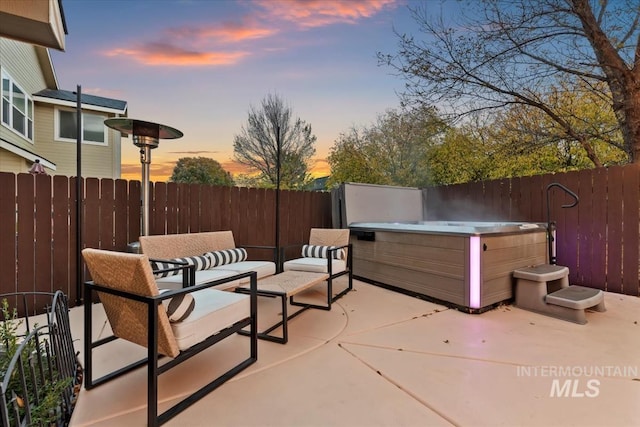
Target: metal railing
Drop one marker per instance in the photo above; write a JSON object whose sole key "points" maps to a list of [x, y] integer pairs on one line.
{"points": [[39, 366]]}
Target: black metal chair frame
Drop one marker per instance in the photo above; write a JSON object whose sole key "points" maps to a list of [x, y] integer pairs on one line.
{"points": [[152, 360], [348, 270]]}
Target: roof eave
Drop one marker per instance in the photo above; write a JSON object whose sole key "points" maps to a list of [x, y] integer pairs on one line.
{"points": [[84, 106], [36, 22]]}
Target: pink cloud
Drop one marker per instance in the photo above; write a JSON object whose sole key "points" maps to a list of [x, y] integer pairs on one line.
{"points": [[316, 13], [191, 46], [157, 53], [227, 33]]}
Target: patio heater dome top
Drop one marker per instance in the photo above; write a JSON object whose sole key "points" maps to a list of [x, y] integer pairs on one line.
{"points": [[144, 133]]}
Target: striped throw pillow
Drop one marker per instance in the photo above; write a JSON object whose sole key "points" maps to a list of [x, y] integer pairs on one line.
{"points": [[201, 262], [316, 251], [227, 256], [179, 307]]}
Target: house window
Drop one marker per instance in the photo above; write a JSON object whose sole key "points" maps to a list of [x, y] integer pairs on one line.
{"points": [[17, 108], [93, 128]]}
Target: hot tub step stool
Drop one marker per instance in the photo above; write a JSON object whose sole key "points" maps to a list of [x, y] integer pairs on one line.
{"points": [[545, 289]]}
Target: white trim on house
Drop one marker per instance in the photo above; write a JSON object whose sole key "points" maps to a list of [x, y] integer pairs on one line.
{"points": [[56, 127], [29, 108], [26, 154]]}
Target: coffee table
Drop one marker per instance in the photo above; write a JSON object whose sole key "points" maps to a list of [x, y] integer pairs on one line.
{"points": [[285, 285]]}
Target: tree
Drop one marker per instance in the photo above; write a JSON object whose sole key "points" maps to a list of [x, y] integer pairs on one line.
{"points": [[527, 132], [352, 159], [393, 151], [463, 156], [476, 152], [257, 144], [519, 141], [507, 53], [200, 170]]}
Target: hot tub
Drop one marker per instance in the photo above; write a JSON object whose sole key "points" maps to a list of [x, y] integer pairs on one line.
{"points": [[466, 265]]}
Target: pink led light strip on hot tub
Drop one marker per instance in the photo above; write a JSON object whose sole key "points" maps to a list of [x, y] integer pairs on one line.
{"points": [[474, 271]]}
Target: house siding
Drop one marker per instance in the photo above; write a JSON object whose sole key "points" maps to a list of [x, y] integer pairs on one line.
{"points": [[99, 161], [23, 63], [20, 61], [12, 163]]}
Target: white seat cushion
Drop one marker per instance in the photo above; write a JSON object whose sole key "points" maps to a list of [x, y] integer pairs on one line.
{"points": [[214, 310], [262, 268], [202, 276], [317, 265]]}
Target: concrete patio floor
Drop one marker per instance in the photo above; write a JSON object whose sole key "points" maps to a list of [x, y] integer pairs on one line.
{"points": [[380, 358]]}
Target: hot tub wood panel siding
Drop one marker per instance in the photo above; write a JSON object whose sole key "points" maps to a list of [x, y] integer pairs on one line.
{"points": [[437, 265], [432, 265], [503, 255]]}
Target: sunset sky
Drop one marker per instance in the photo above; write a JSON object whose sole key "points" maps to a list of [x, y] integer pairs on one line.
{"points": [[198, 65]]}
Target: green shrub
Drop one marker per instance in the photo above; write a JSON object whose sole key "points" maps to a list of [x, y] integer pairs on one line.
{"points": [[34, 381]]}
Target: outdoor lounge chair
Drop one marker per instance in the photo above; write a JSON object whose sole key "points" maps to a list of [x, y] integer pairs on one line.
{"points": [[328, 251], [138, 312]]}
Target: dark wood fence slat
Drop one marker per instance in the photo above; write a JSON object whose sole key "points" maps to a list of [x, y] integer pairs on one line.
{"points": [[243, 217], [107, 207], [615, 204], [233, 220], [269, 212], [120, 215], [172, 208], [259, 210], [295, 212], [191, 213], [205, 208], [8, 230], [476, 208], [285, 227], [43, 235], [525, 200], [567, 238], [538, 202], [585, 245], [157, 208], [91, 217], [494, 190], [135, 208], [25, 251], [224, 208], [60, 243], [631, 190], [253, 233], [516, 200], [74, 280], [599, 229]]}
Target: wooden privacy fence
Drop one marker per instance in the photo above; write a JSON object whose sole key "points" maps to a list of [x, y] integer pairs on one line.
{"points": [[598, 239], [38, 221]]}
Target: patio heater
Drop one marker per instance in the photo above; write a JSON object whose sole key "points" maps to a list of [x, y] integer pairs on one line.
{"points": [[146, 136]]}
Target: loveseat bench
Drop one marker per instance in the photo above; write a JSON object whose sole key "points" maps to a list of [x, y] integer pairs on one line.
{"points": [[213, 255]]}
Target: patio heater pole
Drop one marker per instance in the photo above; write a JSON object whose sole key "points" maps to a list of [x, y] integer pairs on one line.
{"points": [[145, 144], [146, 136]]}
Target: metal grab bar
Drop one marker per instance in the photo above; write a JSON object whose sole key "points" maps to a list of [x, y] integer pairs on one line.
{"points": [[551, 224]]}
